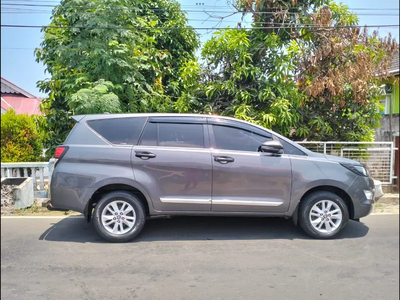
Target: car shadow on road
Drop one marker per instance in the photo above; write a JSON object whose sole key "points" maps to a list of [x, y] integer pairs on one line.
{"points": [[196, 229]]}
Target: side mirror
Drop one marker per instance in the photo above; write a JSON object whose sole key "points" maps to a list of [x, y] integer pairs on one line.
{"points": [[273, 147]]}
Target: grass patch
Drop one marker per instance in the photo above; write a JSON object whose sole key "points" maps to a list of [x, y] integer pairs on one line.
{"points": [[36, 210]]}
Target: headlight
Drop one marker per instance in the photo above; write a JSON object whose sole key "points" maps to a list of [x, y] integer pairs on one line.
{"points": [[357, 169]]}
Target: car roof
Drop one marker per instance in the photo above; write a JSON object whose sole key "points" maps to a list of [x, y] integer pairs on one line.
{"points": [[78, 118], [130, 115]]}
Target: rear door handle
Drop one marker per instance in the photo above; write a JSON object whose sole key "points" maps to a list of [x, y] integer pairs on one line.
{"points": [[144, 154], [223, 159]]}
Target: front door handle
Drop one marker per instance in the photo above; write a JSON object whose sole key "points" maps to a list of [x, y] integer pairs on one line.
{"points": [[223, 159], [144, 154]]}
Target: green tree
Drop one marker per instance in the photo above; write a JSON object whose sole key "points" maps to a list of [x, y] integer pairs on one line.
{"points": [[95, 100], [135, 45], [337, 71], [260, 92], [280, 17], [20, 141], [308, 73]]}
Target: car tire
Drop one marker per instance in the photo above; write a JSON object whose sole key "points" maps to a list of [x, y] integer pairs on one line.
{"points": [[323, 215], [119, 216]]}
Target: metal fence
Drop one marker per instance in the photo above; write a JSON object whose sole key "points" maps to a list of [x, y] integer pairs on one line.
{"points": [[378, 156]]}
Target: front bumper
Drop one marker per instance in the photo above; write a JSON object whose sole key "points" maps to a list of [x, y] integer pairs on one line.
{"points": [[378, 190], [362, 206]]}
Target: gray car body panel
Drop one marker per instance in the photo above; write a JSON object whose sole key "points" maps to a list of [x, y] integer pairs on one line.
{"points": [[177, 178], [254, 182], [183, 181], [320, 172]]}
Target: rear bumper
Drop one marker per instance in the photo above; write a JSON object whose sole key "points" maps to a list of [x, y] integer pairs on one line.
{"points": [[52, 208], [64, 196]]}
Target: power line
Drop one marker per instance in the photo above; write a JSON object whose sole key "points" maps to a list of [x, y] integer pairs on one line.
{"points": [[223, 21], [16, 48], [58, 3], [26, 11], [226, 21], [159, 9], [199, 28], [271, 8]]}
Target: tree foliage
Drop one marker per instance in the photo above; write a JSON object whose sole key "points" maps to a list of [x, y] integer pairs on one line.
{"points": [[133, 44], [234, 84], [306, 70], [20, 140], [309, 73], [96, 99], [338, 70], [280, 17]]}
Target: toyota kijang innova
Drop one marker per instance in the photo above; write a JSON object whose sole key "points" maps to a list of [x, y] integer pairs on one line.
{"points": [[118, 170]]}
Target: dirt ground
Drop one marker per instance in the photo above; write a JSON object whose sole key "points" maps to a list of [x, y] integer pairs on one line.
{"points": [[386, 208]]}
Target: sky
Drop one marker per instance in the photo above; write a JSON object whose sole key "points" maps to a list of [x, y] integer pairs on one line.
{"points": [[18, 63]]}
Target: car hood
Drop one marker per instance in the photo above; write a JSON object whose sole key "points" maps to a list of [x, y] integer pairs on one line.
{"points": [[341, 159], [337, 159]]}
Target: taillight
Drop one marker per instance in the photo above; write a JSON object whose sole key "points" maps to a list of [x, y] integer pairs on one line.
{"points": [[60, 151]]}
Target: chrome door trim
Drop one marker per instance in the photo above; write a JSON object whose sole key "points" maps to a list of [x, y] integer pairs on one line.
{"points": [[185, 200], [164, 148], [244, 202]]}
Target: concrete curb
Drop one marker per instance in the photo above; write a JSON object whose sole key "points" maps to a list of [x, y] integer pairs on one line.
{"points": [[42, 202]]}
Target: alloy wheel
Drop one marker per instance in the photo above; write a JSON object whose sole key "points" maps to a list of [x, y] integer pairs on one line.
{"points": [[118, 217], [326, 216]]}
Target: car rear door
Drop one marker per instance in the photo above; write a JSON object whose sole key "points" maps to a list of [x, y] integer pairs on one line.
{"points": [[245, 180], [173, 163]]}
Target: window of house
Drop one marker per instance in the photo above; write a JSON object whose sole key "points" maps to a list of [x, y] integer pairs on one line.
{"points": [[386, 103]]}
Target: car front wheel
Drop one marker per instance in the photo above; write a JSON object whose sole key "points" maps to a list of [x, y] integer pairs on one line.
{"points": [[323, 214], [119, 216]]}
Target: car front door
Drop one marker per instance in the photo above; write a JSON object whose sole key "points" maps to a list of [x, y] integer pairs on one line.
{"points": [[245, 180], [173, 163]]}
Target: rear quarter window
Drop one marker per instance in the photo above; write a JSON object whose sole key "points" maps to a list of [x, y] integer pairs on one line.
{"points": [[121, 131]]}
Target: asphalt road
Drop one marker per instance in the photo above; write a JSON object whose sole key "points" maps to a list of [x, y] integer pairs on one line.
{"points": [[199, 258]]}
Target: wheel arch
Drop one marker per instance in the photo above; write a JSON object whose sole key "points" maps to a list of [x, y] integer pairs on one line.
{"points": [[104, 187], [326, 188]]}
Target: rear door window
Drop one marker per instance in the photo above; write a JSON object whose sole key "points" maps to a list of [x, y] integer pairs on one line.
{"points": [[150, 135], [121, 131], [173, 135]]}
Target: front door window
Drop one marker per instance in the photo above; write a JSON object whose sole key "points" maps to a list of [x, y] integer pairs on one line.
{"points": [[230, 138]]}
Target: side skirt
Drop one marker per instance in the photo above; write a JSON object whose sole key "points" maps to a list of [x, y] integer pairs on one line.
{"points": [[158, 214]]}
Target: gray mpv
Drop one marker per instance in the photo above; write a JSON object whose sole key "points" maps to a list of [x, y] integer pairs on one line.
{"points": [[119, 170]]}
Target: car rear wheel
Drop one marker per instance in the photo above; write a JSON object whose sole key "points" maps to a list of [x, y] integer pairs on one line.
{"points": [[119, 216], [323, 214]]}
